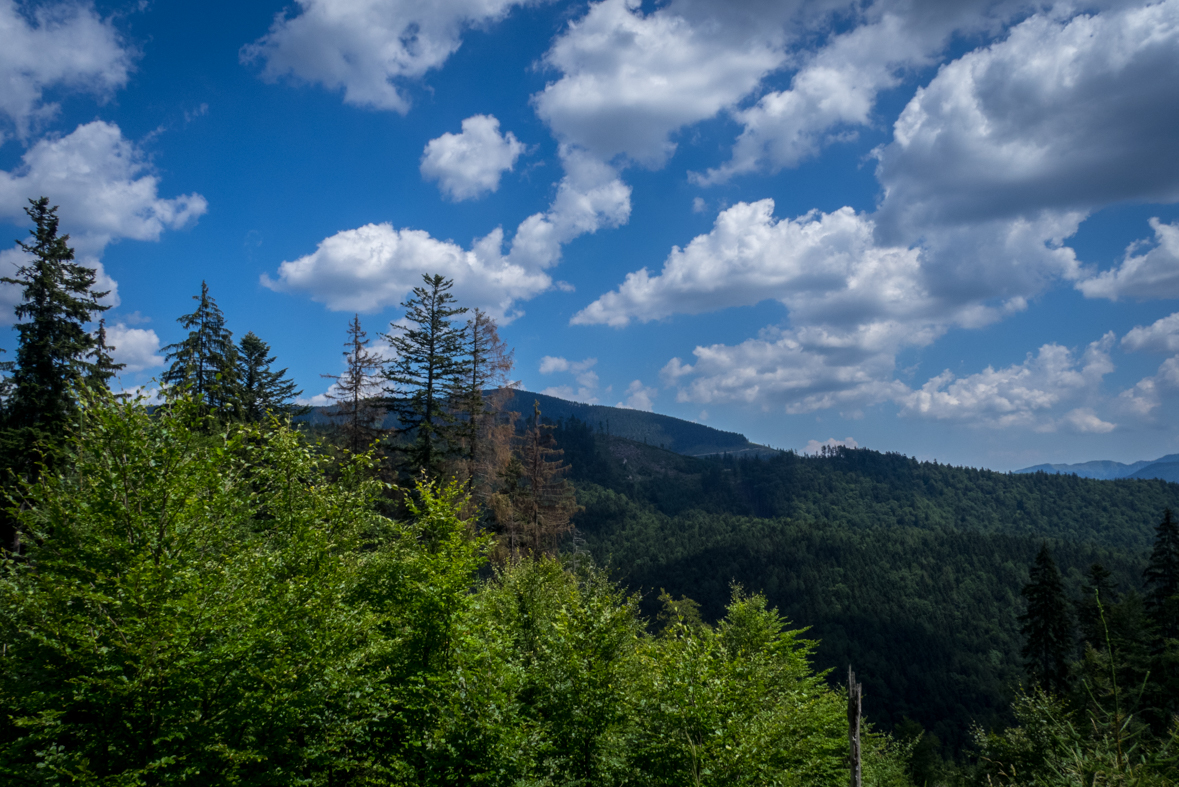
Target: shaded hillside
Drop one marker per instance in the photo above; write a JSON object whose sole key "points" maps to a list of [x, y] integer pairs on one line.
{"points": [[910, 571], [663, 431], [675, 434], [861, 488]]}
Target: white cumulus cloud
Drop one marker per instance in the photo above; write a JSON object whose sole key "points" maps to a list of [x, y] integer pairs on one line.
{"points": [[853, 305], [369, 48], [62, 44], [639, 396], [583, 372], [106, 190], [1153, 274], [630, 79], [138, 348], [1023, 395], [1160, 336], [377, 265], [104, 185], [1065, 114], [470, 164]]}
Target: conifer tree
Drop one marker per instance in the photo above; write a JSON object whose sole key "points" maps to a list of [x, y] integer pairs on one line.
{"points": [[205, 362], [260, 389], [1047, 628], [355, 393], [103, 366], [1162, 579], [1098, 589], [426, 377], [57, 300]]}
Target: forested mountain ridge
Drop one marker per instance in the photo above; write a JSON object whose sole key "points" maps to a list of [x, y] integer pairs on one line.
{"points": [[910, 571], [862, 488]]}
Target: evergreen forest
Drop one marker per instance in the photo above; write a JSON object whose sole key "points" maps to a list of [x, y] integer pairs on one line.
{"points": [[440, 580]]}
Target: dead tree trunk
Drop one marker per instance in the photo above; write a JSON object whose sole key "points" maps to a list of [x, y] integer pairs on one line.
{"points": [[855, 693]]}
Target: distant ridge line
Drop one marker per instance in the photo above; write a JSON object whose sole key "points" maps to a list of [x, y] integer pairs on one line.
{"points": [[1165, 468]]}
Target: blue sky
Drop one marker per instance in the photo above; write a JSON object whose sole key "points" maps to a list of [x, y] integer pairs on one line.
{"points": [[945, 229]]}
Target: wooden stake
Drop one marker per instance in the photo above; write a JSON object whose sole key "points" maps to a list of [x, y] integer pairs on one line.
{"points": [[855, 693]]}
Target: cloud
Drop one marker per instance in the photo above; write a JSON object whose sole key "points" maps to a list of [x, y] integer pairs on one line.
{"points": [[1064, 115], [1154, 274], [63, 44], [586, 377], [470, 164], [104, 185], [369, 48], [590, 196], [138, 348], [376, 266], [799, 371], [852, 304], [834, 91], [639, 397], [631, 79], [106, 191], [1022, 395], [815, 447], [1162, 336], [826, 267]]}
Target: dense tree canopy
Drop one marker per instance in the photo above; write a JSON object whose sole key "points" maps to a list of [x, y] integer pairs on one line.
{"points": [[218, 603]]}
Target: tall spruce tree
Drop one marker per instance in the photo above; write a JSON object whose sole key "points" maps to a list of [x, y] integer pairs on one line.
{"points": [[426, 377], [205, 361], [1161, 578], [1047, 627], [357, 405], [57, 301], [261, 390]]}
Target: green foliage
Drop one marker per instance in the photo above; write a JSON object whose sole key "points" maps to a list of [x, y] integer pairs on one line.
{"points": [[927, 616], [1054, 747], [206, 608], [867, 489], [203, 603], [653, 429], [736, 704]]}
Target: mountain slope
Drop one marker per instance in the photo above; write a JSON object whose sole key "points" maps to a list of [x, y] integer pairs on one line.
{"points": [[664, 431], [910, 571]]}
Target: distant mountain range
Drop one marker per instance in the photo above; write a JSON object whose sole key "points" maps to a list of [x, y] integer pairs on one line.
{"points": [[1165, 468]]}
